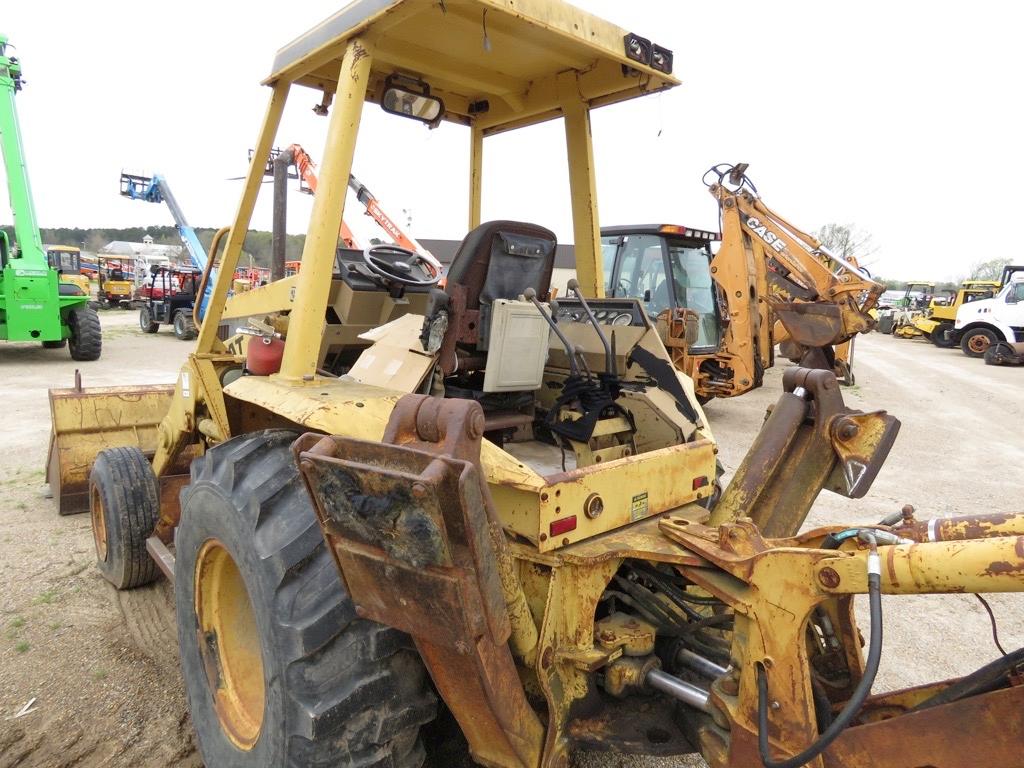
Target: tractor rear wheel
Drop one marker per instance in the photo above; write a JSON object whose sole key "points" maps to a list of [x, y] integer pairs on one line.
{"points": [[146, 321], [124, 504], [184, 327], [86, 339], [278, 668], [976, 341]]}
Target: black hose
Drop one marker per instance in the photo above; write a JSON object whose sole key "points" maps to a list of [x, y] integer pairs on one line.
{"points": [[852, 706]]}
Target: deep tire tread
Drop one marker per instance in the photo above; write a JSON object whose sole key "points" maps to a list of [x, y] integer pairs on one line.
{"points": [[131, 502], [354, 692], [86, 340]]}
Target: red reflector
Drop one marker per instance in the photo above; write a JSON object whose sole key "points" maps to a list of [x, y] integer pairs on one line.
{"points": [[564, 525], [700, 482]]}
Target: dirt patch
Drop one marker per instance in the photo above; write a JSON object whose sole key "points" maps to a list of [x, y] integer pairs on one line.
{"points": [[102, 665]]}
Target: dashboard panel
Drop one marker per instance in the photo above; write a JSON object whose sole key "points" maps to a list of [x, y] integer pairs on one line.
{"points": [[613, 312]]}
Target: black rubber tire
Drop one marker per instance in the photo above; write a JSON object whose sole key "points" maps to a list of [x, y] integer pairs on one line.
{"points": [[146, 323], [965, 341], [938, 336], [55, 344], [184, 328], [128, 489], [339, 690], [86, 340]]}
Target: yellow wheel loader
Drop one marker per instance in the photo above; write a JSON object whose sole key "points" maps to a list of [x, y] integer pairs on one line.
{"points": [[504, 517]]}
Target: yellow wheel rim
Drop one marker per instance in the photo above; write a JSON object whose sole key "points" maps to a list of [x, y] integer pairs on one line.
{"points": [[99, 524], [229, 644]]}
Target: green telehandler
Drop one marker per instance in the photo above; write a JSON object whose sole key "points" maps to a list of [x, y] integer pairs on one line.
{"points": [[34, 304]]}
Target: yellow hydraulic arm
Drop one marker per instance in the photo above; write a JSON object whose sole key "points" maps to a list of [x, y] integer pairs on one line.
{"points": [[820, 299]]}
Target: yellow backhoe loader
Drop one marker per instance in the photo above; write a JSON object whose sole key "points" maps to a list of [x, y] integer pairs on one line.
{"points": [[504, 517]]}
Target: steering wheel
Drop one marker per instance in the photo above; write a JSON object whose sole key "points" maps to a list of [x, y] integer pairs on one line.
{"points": [[396, 264]]}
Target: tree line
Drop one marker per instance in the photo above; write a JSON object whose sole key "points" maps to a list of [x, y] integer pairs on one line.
{"points": [[257, 242]]}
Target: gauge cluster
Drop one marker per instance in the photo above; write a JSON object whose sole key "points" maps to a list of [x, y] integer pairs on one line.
{"points": [[614, 312]]}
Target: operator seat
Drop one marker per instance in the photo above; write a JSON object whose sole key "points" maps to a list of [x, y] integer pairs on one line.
{"points": [[497, 260]]}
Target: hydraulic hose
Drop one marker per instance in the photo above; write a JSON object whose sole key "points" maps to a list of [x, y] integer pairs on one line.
{"points": [[855, 702]]}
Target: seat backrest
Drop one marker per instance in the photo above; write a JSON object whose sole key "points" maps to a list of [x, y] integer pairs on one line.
{"points": [[500, 260]]}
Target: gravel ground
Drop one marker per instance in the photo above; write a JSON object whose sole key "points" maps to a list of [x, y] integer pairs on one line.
{"points": [[106, 689]]}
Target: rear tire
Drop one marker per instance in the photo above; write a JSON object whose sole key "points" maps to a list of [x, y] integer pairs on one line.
{"points": [[976, 341], [184, 328], [298, 678], [86, 336], [124, 504], [938, 336], [146, 323]]}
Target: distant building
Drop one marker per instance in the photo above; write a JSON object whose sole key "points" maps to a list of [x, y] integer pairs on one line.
{"points": [[143, 255]]}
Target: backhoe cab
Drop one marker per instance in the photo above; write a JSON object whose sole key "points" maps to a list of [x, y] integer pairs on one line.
{"points": [[513, 489]]}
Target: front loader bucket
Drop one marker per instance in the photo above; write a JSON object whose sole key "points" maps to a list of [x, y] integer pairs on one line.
{"points": [[810, 325], [85, 421]]}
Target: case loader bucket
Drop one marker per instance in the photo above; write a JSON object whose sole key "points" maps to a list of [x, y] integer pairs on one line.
{"points": [[85, 421]]}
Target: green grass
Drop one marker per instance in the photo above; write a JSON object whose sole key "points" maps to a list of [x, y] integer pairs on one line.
{"points": [[17, 622], [99, 674], [22, 647], [54, 626], [45, 598]]}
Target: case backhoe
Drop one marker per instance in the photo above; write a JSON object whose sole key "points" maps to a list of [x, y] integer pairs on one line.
{"points": [[721, 315], [505, 517]]}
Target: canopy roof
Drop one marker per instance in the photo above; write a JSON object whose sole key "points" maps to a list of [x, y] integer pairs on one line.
{"points": [[493, 62]]}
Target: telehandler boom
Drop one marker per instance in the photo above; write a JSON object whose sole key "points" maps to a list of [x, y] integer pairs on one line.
{"points": [[35, 304], [505, 515]]}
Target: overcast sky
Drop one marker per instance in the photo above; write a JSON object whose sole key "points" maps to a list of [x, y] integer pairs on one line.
{"points": [[902, 118]]}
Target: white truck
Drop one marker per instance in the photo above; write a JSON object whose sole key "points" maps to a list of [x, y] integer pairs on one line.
{"points": [[980, 324]]}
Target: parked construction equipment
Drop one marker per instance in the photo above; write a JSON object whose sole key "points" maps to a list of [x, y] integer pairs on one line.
{"points": [[721, 315], [115, 283], [938, 320], [67, 260], [170, 301], [980, 324], [514, 490], [35, 304]]}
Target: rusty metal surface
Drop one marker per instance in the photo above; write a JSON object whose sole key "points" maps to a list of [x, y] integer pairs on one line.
{"points": [[809, 442], [410, 523], [161, 556], [981, 730], [963, 527], [86, 421]]}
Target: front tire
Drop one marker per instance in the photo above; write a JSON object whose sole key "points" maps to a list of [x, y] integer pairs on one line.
{"points": [[124, 504], [146, 323], [278, 669], [184, 327], [976, 341], [85, 341]]}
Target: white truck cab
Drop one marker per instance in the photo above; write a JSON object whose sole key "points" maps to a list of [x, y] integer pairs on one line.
{"points": [[979, 324]]}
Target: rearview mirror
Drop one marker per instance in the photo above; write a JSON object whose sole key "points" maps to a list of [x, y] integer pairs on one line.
{"points": [[408, 97]]}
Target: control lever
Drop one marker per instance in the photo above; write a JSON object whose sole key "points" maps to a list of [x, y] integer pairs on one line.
{"points": [[574, 286], [531, 295]]}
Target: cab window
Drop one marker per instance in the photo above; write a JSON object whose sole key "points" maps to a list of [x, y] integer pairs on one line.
{"points": [[694, 289], [609, 247], [641, 273]]}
